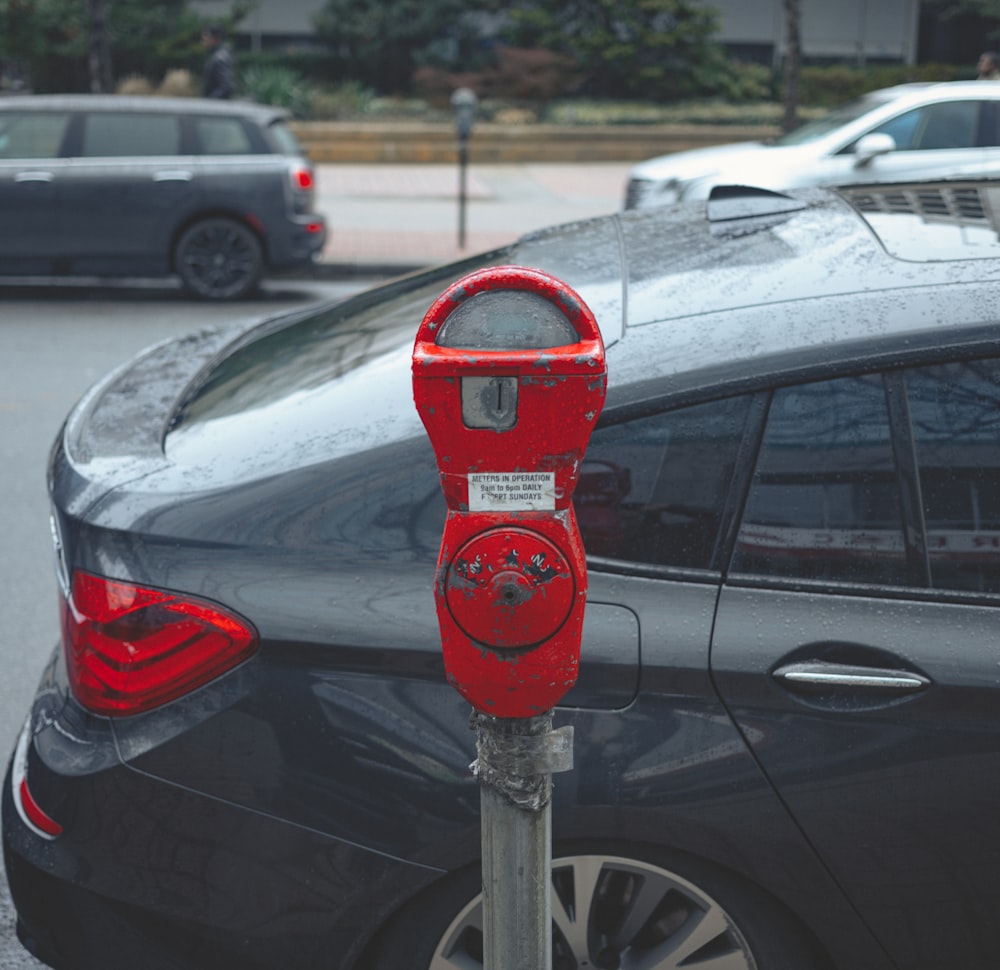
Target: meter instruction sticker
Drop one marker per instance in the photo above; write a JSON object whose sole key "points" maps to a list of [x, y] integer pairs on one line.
{"points": [[512, 491]]}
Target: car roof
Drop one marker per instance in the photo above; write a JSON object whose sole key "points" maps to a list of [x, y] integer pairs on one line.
{"points": [[919, 90], [754, 284], [127, 102]]}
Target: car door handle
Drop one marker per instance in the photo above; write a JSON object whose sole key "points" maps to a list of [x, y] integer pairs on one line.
{"points": [[36, 176], [173, 175], [812, 676]]}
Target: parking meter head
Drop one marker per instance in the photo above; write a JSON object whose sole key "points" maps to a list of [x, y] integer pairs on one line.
{"points": [[509, 378], [464, 103]]}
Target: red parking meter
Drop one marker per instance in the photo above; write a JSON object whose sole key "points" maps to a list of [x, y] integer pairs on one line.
{"points": [[509, 378]]}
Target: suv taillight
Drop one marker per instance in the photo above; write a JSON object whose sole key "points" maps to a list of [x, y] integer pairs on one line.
{"points": [[130, 648], [303, 179], [303, 185]]}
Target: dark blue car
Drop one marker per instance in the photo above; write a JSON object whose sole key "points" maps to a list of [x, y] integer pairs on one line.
{"points": [[244, 753]]}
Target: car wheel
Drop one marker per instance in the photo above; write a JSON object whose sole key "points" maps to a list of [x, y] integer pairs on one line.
{"points": [[219, 259], [612, 911]]}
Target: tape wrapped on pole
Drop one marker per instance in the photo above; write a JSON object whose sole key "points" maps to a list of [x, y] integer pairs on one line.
{"points": [[517, 756]]}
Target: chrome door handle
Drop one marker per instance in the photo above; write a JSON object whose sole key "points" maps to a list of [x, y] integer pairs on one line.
{"points": [[37, 176], [810, 676], [173, 175]]}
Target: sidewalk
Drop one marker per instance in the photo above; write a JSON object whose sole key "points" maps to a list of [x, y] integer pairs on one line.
{"points": [[393, 218]]}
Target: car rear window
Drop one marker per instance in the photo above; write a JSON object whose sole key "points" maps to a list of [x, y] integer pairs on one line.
{"points": [[652, 490], [287, 143], [824, 503], [223, 136], [313, 352]]}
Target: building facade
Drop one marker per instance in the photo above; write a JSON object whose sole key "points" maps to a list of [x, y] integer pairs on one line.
{"points": [[853, 31]]}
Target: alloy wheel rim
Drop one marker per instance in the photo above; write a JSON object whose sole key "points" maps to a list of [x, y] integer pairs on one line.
{"points": [[220, 259], [612, 913]]}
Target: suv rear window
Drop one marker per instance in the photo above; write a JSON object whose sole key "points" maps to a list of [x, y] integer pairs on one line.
{"points": [[287, 143], [223, 136]]}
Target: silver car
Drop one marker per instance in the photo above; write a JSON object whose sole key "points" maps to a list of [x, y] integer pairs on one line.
{"points": [[911, 132], [213, 192]]}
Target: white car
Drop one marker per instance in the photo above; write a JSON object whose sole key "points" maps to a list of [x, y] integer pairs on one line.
{"points": [[907, 133]]}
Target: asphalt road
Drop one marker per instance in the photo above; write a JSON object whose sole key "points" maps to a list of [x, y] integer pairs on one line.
{"points": [[54, 343]]}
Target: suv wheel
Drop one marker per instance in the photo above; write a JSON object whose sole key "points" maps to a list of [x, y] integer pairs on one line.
{"points": [[219, 259], [611, 911]]}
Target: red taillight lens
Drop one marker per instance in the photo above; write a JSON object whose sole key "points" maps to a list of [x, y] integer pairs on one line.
{"points": [[130, 649], [41, 820], [302, 179]]}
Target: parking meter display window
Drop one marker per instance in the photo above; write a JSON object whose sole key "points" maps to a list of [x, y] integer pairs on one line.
{"points": [[506, 320], [651, 490]]}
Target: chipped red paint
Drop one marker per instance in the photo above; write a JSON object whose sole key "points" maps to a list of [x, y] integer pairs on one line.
{"points": [[511, 583]]}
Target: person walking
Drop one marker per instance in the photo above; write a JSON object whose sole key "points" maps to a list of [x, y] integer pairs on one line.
{"points": [[989, 66], [219, 75]]}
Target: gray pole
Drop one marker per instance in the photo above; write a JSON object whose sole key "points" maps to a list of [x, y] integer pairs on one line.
{"points": [[463, 168], [464, 102], [516, 758]]}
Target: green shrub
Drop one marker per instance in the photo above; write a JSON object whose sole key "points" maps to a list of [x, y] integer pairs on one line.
{"points": [[343, 101], [833, 84], [278, 86]]}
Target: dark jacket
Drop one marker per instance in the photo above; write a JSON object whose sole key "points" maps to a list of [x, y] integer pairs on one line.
{"points": [[219, 80]]}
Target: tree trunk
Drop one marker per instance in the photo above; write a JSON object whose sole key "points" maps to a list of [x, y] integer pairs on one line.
{"points": [[793, 64], [99, 46]]}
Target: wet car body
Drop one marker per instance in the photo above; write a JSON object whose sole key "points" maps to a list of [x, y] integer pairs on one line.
{"points": [[816, 750]]}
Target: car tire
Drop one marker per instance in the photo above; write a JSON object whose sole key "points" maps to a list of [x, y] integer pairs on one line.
{"points": [[219, 259], [696, 915]]}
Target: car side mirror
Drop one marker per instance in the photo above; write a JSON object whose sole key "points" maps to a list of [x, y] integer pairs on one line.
{"points": [[870, 146]]}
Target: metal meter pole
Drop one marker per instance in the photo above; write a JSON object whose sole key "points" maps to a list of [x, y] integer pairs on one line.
{"points": [[516, 759], [464, 102]]}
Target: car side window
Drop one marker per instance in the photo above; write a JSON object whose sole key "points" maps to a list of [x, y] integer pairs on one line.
{"points": [[902, 129], [24, 135], [955, 412], [824, 501], [950, 124], [130, 134], [989, 124], [222, 136], [652, 490]]}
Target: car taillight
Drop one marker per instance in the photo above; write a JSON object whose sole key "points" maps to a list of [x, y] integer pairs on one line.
{"points": [[130, 648], [303, 179]]}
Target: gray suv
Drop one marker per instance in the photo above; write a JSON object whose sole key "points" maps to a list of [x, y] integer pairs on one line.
{"points": [[213, 192]]}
